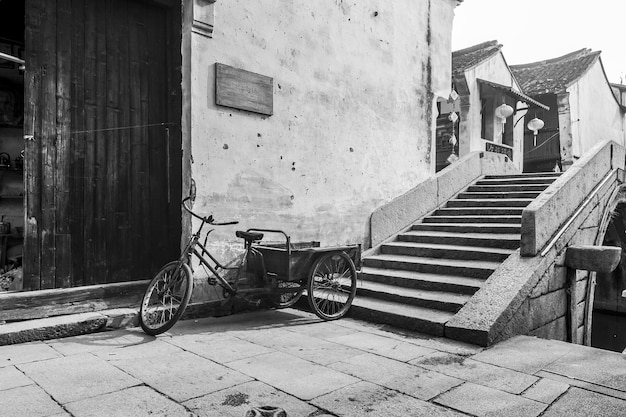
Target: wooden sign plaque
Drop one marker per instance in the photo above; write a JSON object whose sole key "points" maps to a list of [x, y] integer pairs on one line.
{"points": [[243, 90]]}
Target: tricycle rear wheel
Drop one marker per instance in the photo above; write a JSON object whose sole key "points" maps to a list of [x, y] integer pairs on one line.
{"points": [[332, 285]]}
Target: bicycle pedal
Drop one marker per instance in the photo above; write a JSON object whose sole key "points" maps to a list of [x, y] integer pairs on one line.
{"points": [[212, 280]]}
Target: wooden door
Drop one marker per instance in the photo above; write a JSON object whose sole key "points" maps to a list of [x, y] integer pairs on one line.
{"points": [[103, 170]]}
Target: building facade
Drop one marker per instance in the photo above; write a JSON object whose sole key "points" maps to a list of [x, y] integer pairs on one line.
{"points": [[293, 115], [583, 110]]}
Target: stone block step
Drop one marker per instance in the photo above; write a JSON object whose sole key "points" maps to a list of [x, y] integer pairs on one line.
{"points": [[489, 240], [473, 219], [527, 175], [516, 181], [421, 280], [469, 227], [431, 250], [421, 319], [422, 298], [506, 188], [497, 202], [479, 211], [467, 268], [494, 194]]}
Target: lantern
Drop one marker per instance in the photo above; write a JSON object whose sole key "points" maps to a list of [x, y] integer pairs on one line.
{"points": [[503, 111], [535, 125]]}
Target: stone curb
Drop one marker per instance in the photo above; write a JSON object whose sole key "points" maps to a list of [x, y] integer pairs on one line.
{"points": [[68, 325]]}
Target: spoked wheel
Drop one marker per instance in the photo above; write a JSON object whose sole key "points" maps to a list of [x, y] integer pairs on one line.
{"points": [[166, 298], [332, 286], [287, 299]]}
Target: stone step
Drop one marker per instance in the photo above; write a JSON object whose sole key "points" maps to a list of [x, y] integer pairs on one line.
{"points": [[469, 227], [421, 319], [473, 219], [421, 280], [497, 202], [479, 211], [467, 268], [489, 240], [516, 181], [431, 250], [506, 188], [495, 194], [526, 175], [437, 300]]}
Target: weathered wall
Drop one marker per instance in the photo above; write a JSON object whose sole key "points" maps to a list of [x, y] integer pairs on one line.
{"points": [[595, 114], [354, 87], [497, 71]]}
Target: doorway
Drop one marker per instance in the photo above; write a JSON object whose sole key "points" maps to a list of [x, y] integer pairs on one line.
{"points": [[102, 168]]}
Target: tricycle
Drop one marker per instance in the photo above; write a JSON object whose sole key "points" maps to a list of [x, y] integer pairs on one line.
{"points": [[276, 272]]}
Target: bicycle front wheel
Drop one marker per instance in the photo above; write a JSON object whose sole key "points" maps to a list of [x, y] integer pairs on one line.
{"points": [[332, 286], [166, 298]]}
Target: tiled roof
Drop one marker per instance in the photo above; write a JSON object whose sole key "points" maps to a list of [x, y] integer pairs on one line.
{"points": [[554, 75], [467, 58]]}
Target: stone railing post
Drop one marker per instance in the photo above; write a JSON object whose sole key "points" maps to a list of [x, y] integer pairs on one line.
{"points": [[603, 259]]}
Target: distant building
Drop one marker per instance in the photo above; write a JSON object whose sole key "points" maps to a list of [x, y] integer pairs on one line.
{"points": [[583, 109], [483, 81]]}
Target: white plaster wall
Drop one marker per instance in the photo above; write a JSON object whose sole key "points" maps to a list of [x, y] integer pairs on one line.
{"points": [[595, 115], [352, 123], [495, 70]]}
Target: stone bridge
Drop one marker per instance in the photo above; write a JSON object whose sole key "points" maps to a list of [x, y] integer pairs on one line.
{"points": [[529, 293]]}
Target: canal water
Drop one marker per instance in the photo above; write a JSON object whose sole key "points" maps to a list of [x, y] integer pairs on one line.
{"points": [[609, 330]]}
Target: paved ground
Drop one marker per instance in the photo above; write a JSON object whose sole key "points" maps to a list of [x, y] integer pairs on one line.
{"points": [[223, 366]]}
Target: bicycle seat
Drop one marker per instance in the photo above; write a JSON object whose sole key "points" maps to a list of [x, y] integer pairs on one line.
{"points": [[249, 236]]}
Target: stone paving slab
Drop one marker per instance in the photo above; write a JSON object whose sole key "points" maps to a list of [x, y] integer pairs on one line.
{"points": [[293, 375], [219, 347], [592, 365], [525, 354], [26, 352], [72, 378], [482, 401], [98, 341], [389, 373], [478, 372], [28, 401], [384, 346], [11, 377], [235, 401], [546, 390], [367, 399], [181, 375], [306, 347], [135, 401], [581, 403]]}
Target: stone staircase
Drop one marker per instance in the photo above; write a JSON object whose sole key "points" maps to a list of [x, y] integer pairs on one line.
{"points": [[426, 274]]}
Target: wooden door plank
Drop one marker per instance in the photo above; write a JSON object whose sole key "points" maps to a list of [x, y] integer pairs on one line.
{"points": [[90, 172], [100, 272], [139, 206], [113, 118], [32, 159], [62, 154], [78, 144], [48, 142], [123, 209]]}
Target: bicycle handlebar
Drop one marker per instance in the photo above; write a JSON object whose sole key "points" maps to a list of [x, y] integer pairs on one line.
{"points": [[209, 219]]}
